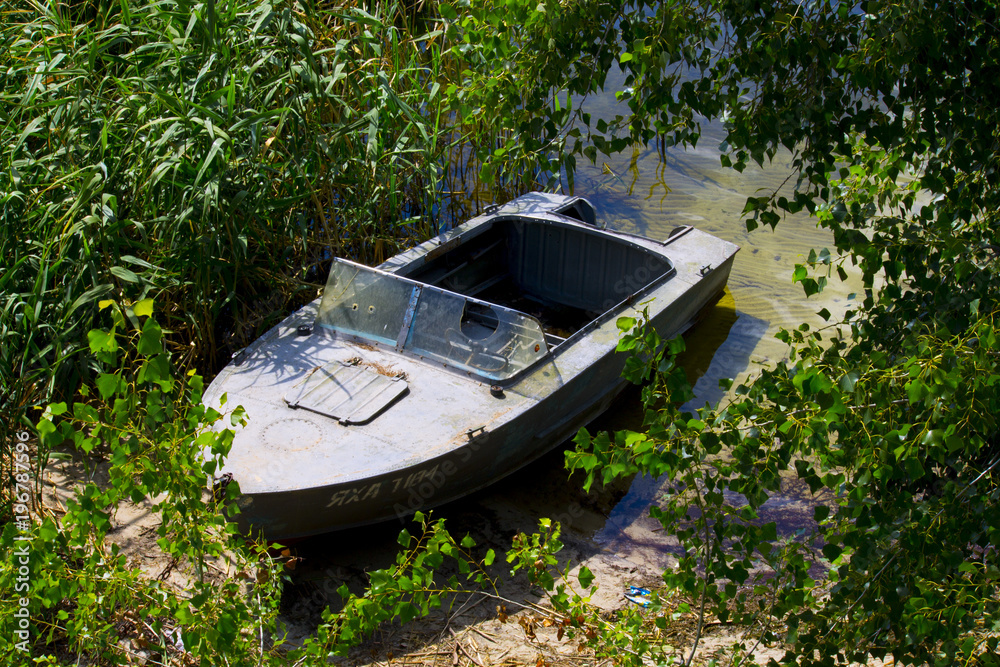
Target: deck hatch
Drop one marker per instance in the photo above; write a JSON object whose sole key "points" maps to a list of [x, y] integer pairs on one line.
{"points": [[349, 393]]}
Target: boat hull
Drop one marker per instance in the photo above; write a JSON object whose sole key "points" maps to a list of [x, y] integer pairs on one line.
{"points": [[459, 451]]}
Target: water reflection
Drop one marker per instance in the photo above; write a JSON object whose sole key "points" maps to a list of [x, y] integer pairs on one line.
{"points": [[732, 357]]}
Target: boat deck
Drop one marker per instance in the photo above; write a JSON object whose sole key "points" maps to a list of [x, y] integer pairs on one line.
{"points": [[304, 449]]}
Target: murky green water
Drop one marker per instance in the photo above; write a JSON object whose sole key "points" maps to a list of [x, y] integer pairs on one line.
{"points": [[691, 187]]}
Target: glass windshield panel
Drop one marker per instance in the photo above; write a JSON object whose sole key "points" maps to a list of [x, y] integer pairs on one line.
{"points": [[362, 302], [489, 340], [484, 338]]}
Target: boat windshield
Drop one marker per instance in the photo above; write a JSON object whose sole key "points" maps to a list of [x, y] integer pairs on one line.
{"points": [[484, 338]]}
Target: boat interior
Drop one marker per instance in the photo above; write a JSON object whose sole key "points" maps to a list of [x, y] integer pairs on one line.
{"points": [[563, 275]]}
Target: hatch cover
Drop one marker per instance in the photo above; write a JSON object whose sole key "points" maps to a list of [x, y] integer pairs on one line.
{"points": [[349, 393]]}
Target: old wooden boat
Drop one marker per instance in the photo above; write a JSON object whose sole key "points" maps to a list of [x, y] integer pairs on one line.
{"points": [[451, 365]]}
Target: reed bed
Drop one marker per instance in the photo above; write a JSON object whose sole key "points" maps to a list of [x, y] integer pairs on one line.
{"points": [[214, 156]]}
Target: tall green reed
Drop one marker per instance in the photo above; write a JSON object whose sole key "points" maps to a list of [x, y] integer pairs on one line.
{"points": [[213, 155]]}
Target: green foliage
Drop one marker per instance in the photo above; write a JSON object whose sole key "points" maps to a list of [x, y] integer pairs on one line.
{"points": [[886, 112], [913, 570], [412, 588], [85, 596], [905, 445]]}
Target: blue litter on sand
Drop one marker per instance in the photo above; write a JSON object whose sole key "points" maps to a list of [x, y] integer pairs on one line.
{"points": [[642, 602], [636, 595]]}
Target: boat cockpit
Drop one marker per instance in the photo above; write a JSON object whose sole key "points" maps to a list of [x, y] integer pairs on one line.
{"points": [[496, 299]]}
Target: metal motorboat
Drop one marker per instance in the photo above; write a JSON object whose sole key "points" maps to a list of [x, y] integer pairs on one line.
{"points": [[451, 365]]}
